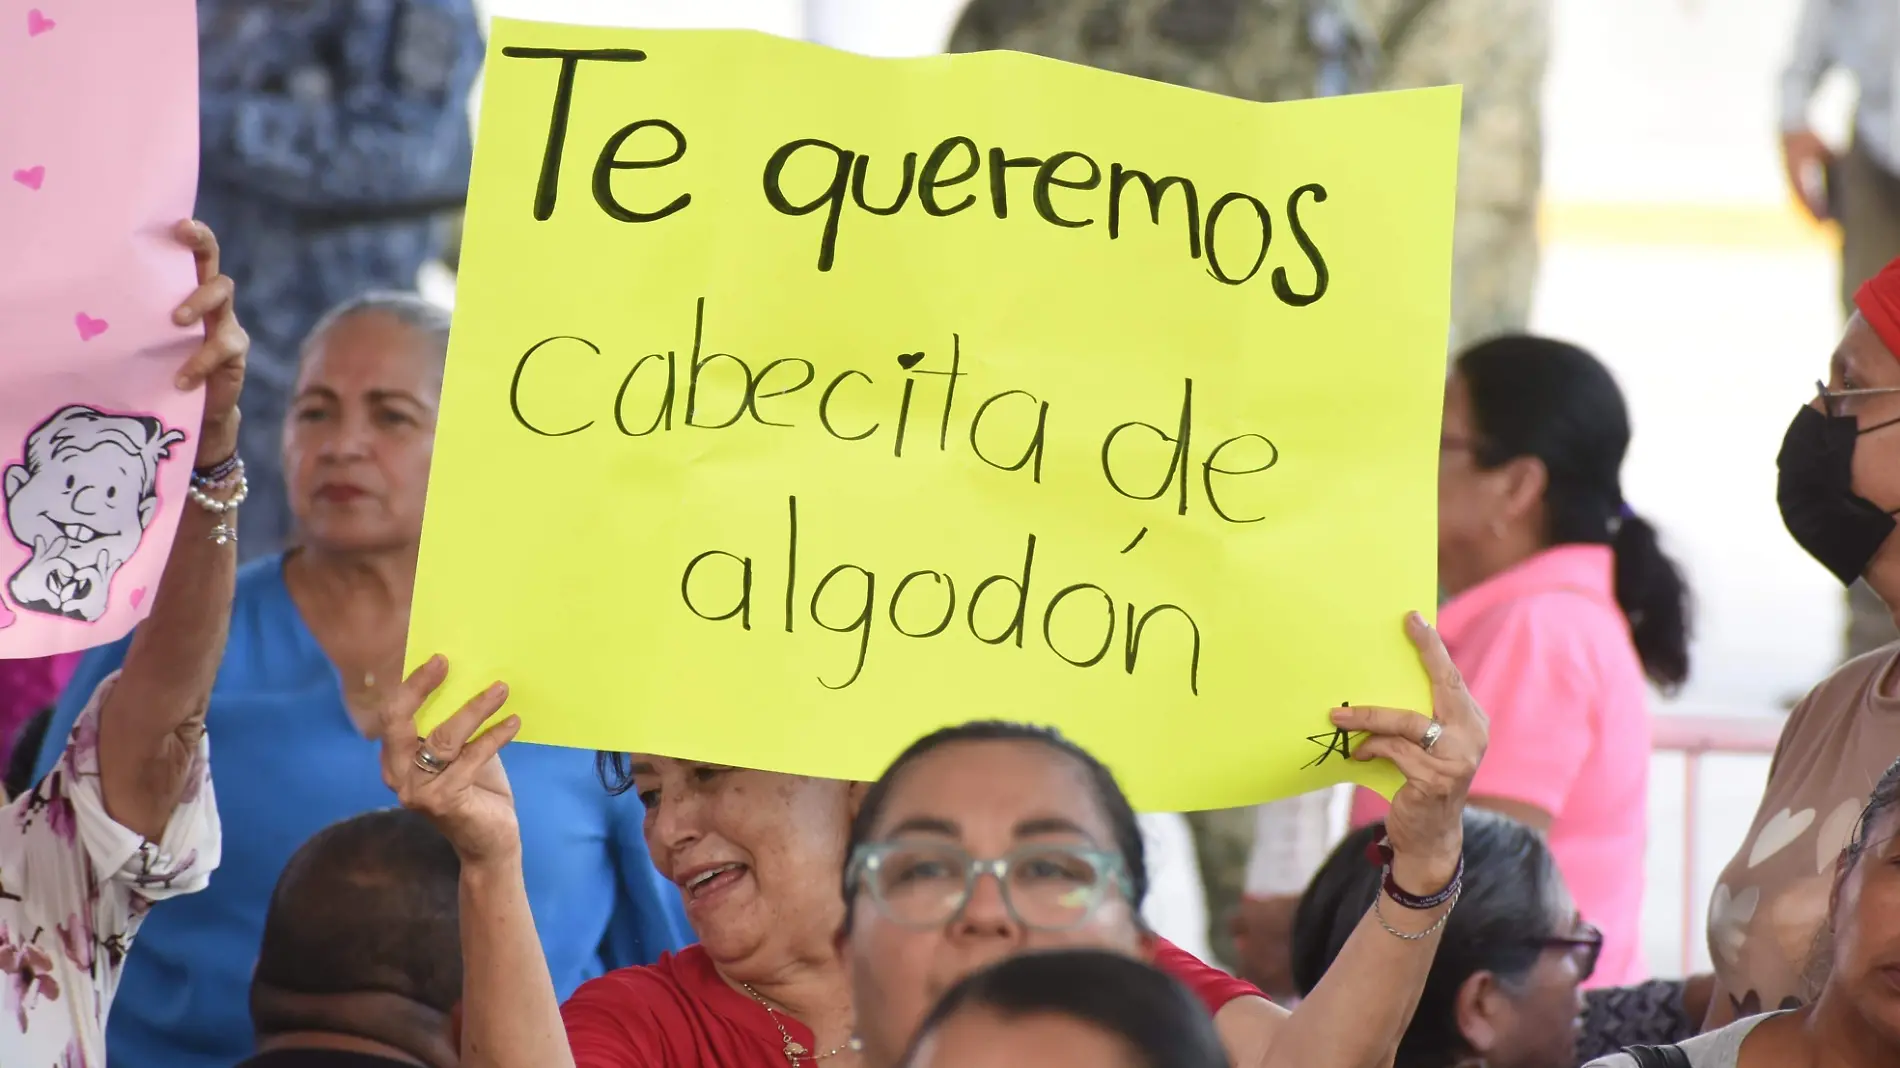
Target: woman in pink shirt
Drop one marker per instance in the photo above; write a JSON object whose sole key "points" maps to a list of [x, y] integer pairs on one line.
{"points": [[1560, 605]]}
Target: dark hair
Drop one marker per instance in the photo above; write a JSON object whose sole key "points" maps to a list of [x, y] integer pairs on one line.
{"points": [[1886, 795], [1108, 794], [1534, 396], [26, 750], [615, 771], [367, 904], [1163, 1024], [1883, 800], [1497, 927]]}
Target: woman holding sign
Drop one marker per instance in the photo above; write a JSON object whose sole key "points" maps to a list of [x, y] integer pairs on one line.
{"points": [[126, 817], [759, 855], [316, 637]]}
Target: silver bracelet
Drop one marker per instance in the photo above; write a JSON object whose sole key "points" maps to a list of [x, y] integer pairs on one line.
{"points": [[224, 533], [1427, 932]]}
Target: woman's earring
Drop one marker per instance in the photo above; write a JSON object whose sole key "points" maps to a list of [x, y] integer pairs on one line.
{"points": [[854, 1044]]}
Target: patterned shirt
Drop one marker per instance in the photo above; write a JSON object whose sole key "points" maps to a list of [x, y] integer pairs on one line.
{"points": [[335, 137], [1772, 900], [74, 887]]}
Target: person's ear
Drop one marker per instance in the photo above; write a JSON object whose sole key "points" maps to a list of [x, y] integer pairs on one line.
{"points": [[1525, 481], [1479, 1011], [16, 477]]}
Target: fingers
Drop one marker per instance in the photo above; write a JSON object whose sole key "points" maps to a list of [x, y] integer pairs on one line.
{"points": [[1451, 703], [203, 244], [226, 343], [476, 755], [210, 295], [1418, 766], [445, 743], [1393, 722], [399, 715]]}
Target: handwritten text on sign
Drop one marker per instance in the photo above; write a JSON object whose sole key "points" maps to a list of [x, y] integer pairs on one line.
{"points": [[800, 403]]}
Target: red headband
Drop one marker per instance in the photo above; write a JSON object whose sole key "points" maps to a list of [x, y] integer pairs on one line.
{"points": [[1879, 302]]}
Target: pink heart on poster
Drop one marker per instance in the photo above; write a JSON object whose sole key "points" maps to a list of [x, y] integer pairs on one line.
{"points": [[31, 177], [89, 327], [138, 597], [37, 23]]}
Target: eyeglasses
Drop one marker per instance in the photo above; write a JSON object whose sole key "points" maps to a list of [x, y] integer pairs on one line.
{"points": [[1836, 402], [1583, 948], [927, 884]]}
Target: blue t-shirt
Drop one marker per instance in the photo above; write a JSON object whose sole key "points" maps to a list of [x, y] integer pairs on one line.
{"points": [[288, 761]]}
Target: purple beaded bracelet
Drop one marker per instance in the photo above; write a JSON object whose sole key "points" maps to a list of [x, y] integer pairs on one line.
{"points": [[218, 474], [1382, 854]]}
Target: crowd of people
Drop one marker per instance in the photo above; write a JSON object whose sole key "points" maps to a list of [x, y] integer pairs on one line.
{"points": [[625, 910], [352, 894]]}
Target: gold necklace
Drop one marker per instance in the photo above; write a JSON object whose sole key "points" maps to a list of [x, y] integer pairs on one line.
{"points": [[795, 1050]]}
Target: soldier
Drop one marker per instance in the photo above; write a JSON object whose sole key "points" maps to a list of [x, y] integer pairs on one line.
{"points": [[334, 136], [1292, 49], [1271, 50]]}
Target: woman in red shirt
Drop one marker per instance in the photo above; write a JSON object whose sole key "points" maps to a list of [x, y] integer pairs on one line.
{"points": [[758, 855], [1047, 821]]}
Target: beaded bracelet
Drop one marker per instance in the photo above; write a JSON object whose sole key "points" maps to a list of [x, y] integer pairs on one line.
{"points": [[1382, 855], [228, 475], [217, 474], [1457, 889]]}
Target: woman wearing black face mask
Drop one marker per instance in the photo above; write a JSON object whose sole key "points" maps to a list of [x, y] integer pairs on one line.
{"points": [[1839, 490]]}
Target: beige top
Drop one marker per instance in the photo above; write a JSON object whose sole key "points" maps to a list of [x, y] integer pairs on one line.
{"points": [[1772, 899]]}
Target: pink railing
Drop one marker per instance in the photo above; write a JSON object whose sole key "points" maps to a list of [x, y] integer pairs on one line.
{"points": [[1696, 737]]}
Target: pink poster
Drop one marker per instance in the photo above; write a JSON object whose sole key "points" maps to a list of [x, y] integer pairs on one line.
{"points": [[98, 161]]}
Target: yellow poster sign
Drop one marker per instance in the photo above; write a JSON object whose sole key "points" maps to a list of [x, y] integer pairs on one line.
{"points": [[800, 402]]}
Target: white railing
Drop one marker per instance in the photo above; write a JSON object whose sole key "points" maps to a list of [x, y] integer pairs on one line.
{"points": [[1694, 737]]}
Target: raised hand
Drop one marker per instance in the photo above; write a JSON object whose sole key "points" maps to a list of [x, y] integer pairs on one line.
{"points": [[1438, 756], [1806, 159], [218, 365], [451, 777]]}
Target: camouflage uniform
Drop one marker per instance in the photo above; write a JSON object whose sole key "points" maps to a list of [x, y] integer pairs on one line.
{"points": [[1291, 49], [334, 135], [1273, 50]]}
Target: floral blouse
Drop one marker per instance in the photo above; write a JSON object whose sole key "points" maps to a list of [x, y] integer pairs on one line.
{"points": [[74, 886]]}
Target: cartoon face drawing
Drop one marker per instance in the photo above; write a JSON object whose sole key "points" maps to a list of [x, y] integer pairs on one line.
{"points": [[81, 503]]}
